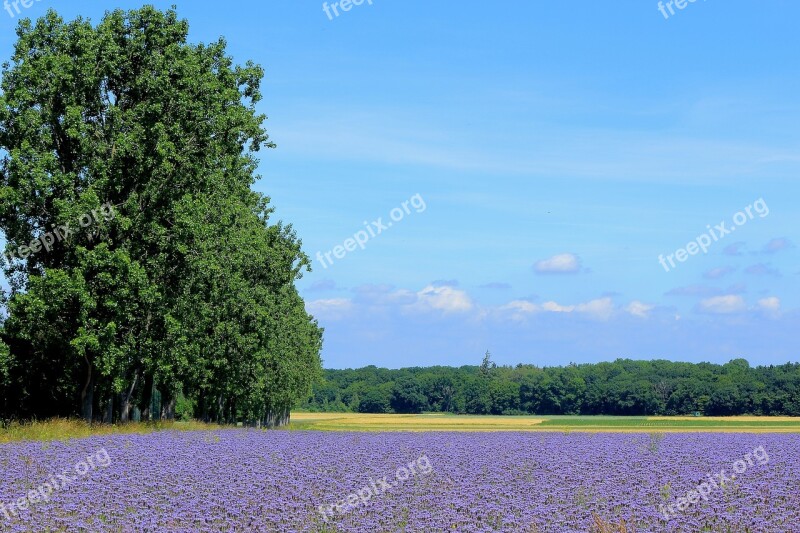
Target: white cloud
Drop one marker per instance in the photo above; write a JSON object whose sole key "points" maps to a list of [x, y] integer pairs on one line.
{"points": [[770, 306], [559, 264], [383, 295], [519, 309], [722, 305], [523, 306], [443, 298], [601, 308], [772, 303], [637, 308], [554, 307], [332, 309]]}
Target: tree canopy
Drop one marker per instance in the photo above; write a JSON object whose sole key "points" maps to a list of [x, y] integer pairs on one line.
{"points": [[180, 285], [622, 387]]}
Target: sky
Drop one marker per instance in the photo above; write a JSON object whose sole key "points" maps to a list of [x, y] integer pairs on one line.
{"points": [[554, 182]]}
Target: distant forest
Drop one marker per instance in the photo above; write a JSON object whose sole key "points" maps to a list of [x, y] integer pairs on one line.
{"points": [[624, 387]]}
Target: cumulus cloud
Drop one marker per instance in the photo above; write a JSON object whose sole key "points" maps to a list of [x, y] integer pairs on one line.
{"points": [[447, 302], [601, 308], [722, 305], [443, 298], [371, 299], [553, 307], [637, 308], [519, 309], [771, 304], [559, 264]]}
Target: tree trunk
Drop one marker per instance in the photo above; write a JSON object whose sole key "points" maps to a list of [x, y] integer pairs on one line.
{"points": [[167, 405], [204, 406], [125, 408], [277, 417], [147, 398], [87, 394], [220, 409], [108, 417]]}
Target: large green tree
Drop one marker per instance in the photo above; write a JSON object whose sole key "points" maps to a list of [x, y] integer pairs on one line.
{"points": [[184, 285]]}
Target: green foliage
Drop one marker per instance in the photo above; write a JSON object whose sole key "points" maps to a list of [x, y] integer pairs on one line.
{"points": [[407, 396], [377, 399], [184, 408], [5, 364], [622, 388], [487, 365], [189, 286]]}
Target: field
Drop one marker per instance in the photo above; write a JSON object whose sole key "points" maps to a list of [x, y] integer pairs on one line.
{"points": [[406, 473], [438, 422], [326, 481]]}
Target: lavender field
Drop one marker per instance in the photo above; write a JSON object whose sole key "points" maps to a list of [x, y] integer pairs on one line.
{"points": [[237, 480]]}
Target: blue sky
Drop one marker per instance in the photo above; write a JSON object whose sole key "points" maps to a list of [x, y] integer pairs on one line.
{"points": [[559, 148]]}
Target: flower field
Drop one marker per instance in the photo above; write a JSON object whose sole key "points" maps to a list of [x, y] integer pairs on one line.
{"points": [[240, 480]]}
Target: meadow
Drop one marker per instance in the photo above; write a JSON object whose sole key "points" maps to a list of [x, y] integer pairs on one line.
{"points": [[65, 429]]}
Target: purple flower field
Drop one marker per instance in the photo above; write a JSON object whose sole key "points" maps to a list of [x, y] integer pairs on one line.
{"points": [[239, 480]]}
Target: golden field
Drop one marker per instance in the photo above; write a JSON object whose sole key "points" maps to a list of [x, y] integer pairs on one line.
{"points": [[447, 422]]}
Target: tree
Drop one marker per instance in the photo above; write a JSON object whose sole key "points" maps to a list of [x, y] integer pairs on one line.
{"points": [[478, 399], [487, 365], [377, 400], [185, 285], [621, 387], [407, 396], [504, 396]]}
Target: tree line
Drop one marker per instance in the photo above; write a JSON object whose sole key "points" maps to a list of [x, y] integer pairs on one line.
{"points": [[184, 299], [622, 387]]}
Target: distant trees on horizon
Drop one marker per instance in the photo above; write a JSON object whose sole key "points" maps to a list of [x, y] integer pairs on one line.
{"points": [[622, 387]]}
